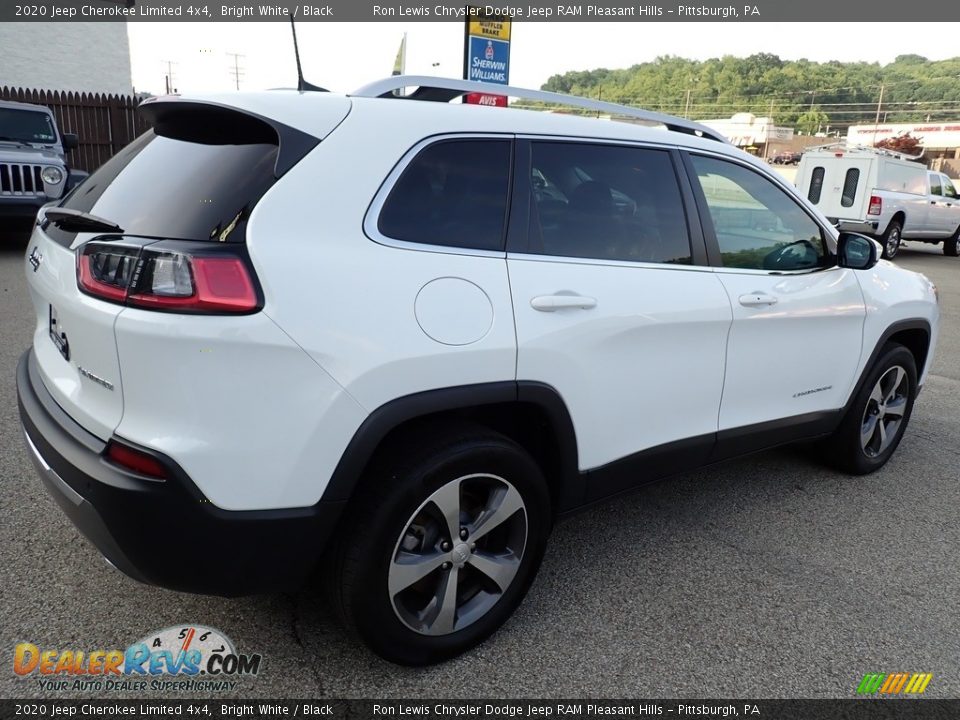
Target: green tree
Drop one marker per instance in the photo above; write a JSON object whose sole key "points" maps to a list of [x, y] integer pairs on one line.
{"points": [[812, 121]]}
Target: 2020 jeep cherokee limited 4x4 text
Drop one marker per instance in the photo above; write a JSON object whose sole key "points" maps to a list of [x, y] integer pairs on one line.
{"points": [[398, 356]]}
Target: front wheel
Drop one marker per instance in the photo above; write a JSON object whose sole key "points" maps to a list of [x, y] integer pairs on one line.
{"points": [[876, 420], [442, 546], [951, 246], [891, 240]]}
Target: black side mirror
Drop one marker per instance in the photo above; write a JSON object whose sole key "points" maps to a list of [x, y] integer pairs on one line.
{"points": [[857, 252], [70, 141]]}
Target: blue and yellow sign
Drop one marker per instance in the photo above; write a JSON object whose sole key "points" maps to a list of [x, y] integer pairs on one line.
{"points": [[486, 54]]}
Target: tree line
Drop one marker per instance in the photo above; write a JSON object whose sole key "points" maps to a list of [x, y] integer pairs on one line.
{"points": [[808, 95]]}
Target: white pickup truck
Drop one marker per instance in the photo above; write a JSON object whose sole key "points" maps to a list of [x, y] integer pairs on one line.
{"points": [[883, 194]]}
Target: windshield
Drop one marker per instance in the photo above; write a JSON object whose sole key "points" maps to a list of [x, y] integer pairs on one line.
{"points": [[26, 126]]}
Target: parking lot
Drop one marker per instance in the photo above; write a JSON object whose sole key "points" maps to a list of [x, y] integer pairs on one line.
{"points": [[765, 577]]}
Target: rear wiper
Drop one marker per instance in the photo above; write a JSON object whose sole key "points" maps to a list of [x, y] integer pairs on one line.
{"points": [[76, 221]]}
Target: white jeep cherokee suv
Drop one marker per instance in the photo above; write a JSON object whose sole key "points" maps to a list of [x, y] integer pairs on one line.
{"points": [[394, 339]]}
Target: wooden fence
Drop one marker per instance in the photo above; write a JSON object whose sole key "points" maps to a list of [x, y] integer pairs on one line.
{"points": [[104, 123]]}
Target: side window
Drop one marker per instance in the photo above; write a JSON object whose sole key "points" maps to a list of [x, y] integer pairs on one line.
{"points": [[816, 185], [935, 185], [758, 225], [453, 193], [606, 202], [948, 189], [850, 181]]}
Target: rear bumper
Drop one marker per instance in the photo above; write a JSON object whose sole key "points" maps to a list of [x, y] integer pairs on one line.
{"points": [[866, 227], [166, 532]]}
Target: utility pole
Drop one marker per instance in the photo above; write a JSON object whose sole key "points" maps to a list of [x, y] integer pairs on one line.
{"points": [[168, 78], [876, 123], [770, 128], [686, 107], [236, 71]]}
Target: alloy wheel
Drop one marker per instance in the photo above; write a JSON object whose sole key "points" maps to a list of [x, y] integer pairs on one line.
{"points": [[885, 410], [893, 242], [458, 554]]}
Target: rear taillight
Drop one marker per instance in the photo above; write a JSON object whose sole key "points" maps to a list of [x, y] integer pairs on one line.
{"points": [[135, 460], [876, 205], [164, 279]]}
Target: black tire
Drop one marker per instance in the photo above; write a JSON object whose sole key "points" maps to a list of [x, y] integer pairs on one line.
{"points": [[395, 490], [844, 449], [891, 240], [951, 246]]}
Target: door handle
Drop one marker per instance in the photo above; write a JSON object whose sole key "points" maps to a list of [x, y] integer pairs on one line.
{"points": [[549, 303], [757, 300]]}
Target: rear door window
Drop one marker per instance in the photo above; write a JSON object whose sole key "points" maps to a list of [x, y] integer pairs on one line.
{"points": [[453, 193], [606, 202], [935, 185]]}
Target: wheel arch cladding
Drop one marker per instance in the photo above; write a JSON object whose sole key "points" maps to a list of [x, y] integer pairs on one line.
{"points": [[531, 414], [915, 335], [917, 341]]}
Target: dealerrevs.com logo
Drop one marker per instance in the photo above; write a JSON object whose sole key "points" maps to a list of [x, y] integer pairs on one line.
{"points": [[179, 658]]}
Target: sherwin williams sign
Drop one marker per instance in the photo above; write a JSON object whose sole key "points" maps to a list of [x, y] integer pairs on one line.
{"points": [[486, 54]]}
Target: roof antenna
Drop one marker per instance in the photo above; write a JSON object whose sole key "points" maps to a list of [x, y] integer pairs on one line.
{"points": [[302, 85]]}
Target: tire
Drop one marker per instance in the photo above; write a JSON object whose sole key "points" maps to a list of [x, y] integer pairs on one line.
{"points": [[951, 246], [874, 425], [398, 515], [891, 240]]}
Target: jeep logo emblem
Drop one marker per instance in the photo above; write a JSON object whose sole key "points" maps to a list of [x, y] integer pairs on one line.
{"points": [[36, 257]]}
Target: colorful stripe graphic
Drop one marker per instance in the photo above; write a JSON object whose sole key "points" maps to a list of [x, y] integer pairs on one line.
{"points": [[894, 683]]}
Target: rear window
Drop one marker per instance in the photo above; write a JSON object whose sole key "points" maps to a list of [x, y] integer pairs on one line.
{"points": [[171, 188]]}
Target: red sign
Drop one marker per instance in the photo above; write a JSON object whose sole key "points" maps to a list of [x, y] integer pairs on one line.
{"points": [[486, 99]]}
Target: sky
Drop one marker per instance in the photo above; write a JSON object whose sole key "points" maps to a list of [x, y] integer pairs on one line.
{"points": [[345, 56]]}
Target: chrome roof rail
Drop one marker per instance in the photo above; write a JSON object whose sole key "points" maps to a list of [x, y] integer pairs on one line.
{"points": [[446, 89]]}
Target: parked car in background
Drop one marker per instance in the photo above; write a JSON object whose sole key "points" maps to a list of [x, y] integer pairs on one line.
{"points": [[33, 161], [786, 158], [883, 194], [401, 356]]}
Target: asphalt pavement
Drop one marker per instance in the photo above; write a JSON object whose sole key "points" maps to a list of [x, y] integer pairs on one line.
{"points": [[767, 577]]}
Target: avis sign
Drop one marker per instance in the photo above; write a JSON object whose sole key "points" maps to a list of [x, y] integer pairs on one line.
{"points": [[486, 54]]}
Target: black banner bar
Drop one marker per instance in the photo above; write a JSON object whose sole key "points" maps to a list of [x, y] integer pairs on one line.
{"points": [[531, 10], [901, 709]]}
